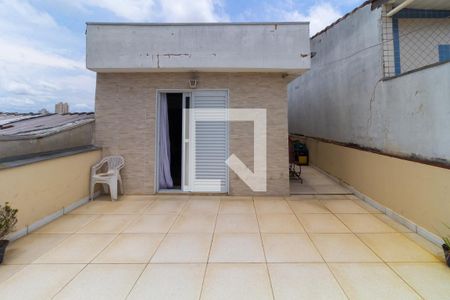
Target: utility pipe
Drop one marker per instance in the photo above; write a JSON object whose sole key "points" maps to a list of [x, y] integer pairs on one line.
{"points": [[400, 7]]}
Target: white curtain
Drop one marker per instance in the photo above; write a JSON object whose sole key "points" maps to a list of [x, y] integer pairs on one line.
{"points": [[165, 178]]}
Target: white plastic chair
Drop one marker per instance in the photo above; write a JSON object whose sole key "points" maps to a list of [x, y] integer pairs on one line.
{"points": [[110, 177]]}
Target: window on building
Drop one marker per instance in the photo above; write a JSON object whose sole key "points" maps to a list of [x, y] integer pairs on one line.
{"points": [[444, 53]]}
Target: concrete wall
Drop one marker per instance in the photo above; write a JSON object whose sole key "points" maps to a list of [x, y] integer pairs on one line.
{"points": [[416, 191], [274, 47], [332, 100], [125, 122], [346, 101], [71, 138], [419, 41], [40, 189]]}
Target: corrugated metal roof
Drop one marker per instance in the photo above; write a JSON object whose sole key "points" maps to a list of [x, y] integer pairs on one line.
{"points": [[29, 126], [11, 117]]}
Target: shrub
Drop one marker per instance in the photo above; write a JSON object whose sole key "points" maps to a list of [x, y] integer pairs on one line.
{"points": [[8, 220]]}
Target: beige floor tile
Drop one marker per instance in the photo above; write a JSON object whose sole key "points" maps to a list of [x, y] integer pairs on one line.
{"points": [[394, 224], [322, 223], [190, 223], [343, 247], [331, 197], [108, 224], [330, 189], [38, 281], [364, 223], [98, 206], [169, 281], [102, 281], [304, 281], [130, 248], [430, 280], [236, 207], [394, 247], [296, 188], [371, 281], [300, 197], [78, 248], [366, 206], [25, 250], [308, 207], [237, 247], [279, 223], [183, 248], [128, 207], [6, 271], [203, 206], [151, 224], [239, 223], [166, 206], [67, 224], [344, 207], [236, 281], [179, 197], [290, 248], [148, 198], [427, 245], [236, 198], [272, 206]]}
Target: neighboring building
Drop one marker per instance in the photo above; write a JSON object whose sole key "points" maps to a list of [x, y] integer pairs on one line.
{"points": [[43, 111], [31, 134], [375, 106], [350, 94], [61, 108], [231, 65]]}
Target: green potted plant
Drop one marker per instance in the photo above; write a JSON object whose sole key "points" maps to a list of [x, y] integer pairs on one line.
{"points": [[446, 247], [8, 220]]}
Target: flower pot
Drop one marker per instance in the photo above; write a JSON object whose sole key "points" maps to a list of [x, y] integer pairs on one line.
{"points": [[3, 245], [446, 253]]}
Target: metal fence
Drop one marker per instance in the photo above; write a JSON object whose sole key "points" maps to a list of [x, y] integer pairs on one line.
{"points": [[414, 38]]}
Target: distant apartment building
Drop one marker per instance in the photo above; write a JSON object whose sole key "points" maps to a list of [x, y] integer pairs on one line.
{"points": [[61, 108]]}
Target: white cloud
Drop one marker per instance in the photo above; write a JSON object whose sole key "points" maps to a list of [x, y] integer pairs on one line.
{"points": [[192, 11], [133, 10], [39, 63], [160, 10], [12, 52], [319, 16]]}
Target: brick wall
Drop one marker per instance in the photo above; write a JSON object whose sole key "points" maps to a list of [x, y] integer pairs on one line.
{"points": [[125, 122]]}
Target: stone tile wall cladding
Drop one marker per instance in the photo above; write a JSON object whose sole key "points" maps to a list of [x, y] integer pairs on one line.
{"points": [[126, 118]]}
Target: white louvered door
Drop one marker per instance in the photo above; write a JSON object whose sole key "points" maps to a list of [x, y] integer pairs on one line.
{"points": [[209, 143]]}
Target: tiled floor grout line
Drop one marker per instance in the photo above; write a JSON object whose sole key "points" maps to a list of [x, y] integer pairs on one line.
{"points": [[390, 268], [264, 249], [87, 264], [159, 244], [90, 262], [317, 249], [180, 213], [209, 251], [379, 257]]}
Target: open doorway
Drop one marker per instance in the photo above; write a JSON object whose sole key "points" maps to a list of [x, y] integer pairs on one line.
{"points": [[170, 141]]}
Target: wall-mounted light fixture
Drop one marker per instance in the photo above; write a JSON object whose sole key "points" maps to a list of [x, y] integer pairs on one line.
{"points": [[193, 80], [193, 83]]}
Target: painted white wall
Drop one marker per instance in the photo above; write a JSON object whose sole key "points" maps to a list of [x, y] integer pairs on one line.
{"points": [[332, 100], [274, 47], [343, 98]]}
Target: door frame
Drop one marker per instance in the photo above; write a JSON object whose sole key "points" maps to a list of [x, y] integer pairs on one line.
{"points": [[158, 92]]}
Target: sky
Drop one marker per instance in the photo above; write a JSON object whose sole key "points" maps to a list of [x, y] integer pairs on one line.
{"points": [[42, 42]]}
